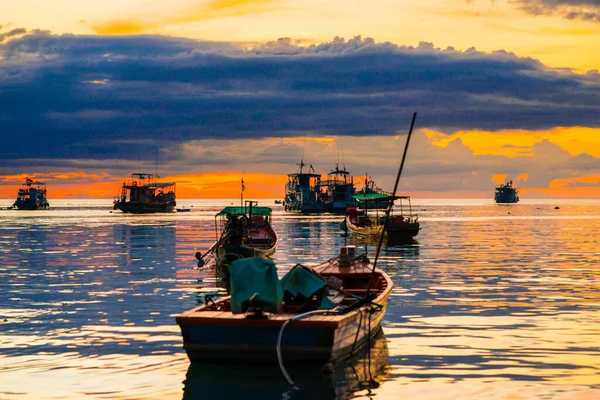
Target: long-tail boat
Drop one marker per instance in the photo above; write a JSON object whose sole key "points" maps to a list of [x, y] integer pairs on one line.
{"points": [[371, 223], [328, 311], [245, 231]]}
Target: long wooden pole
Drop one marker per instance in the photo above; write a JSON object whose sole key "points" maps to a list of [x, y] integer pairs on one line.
{"points": [[391, 204]]}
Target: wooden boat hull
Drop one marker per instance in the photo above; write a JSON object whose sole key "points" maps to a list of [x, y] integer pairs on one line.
{"points": [[318, 339], [394, 232], [148, 208], [220, 336], [230, 252]]}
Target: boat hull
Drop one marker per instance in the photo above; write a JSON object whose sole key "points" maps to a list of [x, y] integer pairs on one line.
{"points": [[394, 232], [230, 252], [212, 333], [30, 205], [148, 208], [240, 339], [506, 198]]}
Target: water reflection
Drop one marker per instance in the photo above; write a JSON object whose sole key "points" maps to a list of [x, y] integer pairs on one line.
{"points": [[484, 304], [362, 373]]}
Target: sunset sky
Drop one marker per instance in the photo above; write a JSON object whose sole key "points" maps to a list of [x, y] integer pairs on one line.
{"points": [[223, 89]]}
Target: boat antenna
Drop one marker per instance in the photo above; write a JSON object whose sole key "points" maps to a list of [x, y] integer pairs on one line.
{"points": [[302, 165], [391, 203]]}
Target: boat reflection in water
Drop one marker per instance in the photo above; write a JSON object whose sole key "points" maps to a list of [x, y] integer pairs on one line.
{"points": [[365, 371]]}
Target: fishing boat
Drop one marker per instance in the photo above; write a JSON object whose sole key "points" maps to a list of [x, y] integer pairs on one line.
{"points": [[400, 226], [339, 190], [32, 196], [144, 195], [245, 232], [506, 193], [315, 315], [303, 191]]}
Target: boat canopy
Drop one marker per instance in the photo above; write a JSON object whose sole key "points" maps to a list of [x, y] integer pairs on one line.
{"points": [[377, 197], [245, 210]]}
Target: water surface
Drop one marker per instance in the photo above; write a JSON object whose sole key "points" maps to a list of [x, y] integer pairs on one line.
{"points": [[491, 301]]}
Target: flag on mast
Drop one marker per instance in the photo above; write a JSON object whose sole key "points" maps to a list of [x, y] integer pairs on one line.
{"points": [[243, 186]]}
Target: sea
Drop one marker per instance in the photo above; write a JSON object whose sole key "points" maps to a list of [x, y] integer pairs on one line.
{"points": [[489, 302]]}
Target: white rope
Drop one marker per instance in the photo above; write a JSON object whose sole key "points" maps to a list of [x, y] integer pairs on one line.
{"points": [[279, 357]]}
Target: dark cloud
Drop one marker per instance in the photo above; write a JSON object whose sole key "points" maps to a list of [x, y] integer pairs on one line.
{"points": [[572, 9], [78, 97]]}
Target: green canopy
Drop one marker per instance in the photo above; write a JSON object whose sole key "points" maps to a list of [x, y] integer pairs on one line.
{"points": [[245, 210]]}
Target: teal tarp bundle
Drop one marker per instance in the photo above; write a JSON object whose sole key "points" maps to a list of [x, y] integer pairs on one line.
{"points": [[250, 276], [302, 282]]}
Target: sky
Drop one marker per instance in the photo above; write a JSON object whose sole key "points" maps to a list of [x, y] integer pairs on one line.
{"points": [[208, 92]]}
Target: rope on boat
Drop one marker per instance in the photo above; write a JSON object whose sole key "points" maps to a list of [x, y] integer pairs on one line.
{"points": [[295, 318]]}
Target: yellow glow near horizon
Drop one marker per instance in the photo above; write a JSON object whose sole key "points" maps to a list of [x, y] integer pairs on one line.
{"points": [[556, 41], [519, 143]]}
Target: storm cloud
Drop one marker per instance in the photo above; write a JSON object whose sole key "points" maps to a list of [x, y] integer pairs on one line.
{"points": [[94, 97]]}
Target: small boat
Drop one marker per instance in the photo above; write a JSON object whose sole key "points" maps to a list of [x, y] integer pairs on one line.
{"points": [[400, 226], [32, 196], [183, 209], [314, 315], [368, 188], [278, 201], [506, 193], [143, 195], [245, 232]]}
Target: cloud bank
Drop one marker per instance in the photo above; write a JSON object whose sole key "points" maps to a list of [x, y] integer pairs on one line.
{"points": [[73, 97]]}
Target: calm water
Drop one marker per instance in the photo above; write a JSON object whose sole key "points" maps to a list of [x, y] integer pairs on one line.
{"points": [[492, 301]]}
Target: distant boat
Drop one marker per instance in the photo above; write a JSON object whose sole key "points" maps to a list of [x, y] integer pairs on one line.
{"points": [[339, 189], [303, 191], [400, 226], [245, 232], [278, 202], [143, 195], [251, 325], [506, 193], [32, 196], [183, 209]]}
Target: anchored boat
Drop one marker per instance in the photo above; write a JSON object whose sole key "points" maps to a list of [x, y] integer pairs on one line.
{"points": [[339, 190], [245, 232], [144, 195], [32, 196], [303, 191], [506, 193], [315, 315], [368, 222]]}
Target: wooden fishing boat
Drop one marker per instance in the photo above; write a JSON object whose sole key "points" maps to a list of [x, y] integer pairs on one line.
{"points": [[219, 332], [245, 232], [399, 227]]}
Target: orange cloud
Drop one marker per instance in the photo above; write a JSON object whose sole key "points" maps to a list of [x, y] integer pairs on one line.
{"points": [[499, 178], [212, 9]]}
